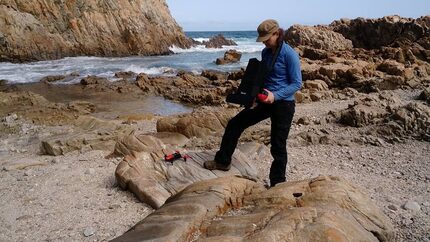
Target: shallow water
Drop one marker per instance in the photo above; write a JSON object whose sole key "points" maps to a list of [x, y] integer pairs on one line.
{"points": [[194, 59], [108, 105]]}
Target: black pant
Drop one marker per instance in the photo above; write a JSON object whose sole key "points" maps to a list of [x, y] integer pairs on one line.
{"points": [[281, 115]]}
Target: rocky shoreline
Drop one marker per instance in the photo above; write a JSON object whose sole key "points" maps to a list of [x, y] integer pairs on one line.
{"points": [[363, 115]]}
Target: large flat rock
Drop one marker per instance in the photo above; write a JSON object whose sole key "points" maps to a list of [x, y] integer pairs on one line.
{"points": [[154, 180], [238, 209]]}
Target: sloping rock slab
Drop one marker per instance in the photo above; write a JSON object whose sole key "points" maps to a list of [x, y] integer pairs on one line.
{"points": [[88, 133], [200, 123], [154, 180], [237, 209]]}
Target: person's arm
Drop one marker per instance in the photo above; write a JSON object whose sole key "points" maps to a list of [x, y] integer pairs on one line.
{"points": [[294, 75]]}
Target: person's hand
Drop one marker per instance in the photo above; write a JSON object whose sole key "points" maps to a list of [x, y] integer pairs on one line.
{"points": [[270, 97]]}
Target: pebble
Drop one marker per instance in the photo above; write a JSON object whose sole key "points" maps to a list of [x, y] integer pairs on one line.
{"points": [[89, 231], [392, 207], [412, 206], [114, 206], [55, 160], [9, 119], [90, 171], [426, 204], [407, 222], [28, 173]]}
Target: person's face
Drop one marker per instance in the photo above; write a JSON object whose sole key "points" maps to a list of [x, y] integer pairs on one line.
{"points": [[272, 41]]}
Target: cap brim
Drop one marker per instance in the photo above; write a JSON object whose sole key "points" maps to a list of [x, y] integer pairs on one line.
{"points": [[263, 38]]}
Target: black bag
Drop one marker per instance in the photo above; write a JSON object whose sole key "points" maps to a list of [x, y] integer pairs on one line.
{"points": [[252, 81]]}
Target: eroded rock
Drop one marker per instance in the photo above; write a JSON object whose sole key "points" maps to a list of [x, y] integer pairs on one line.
{"points": [[237, 209], [154, 180], [319, 37], [230, 56], [90, 28], [88, 133], [218, 41], [370, 110], [199, 123]]}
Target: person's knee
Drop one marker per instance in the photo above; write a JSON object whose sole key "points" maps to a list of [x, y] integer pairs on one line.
{"points": [[235, 124]]}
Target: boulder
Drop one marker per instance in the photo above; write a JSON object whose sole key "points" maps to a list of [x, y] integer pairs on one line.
{"points": [[425, 95], [324, 208], [412, 120], [94, 80], [132, 143], [125, 75], [49, 79], [230, 56], [314, 54], [369, 110], [199, 123], [317, 37], [218, 41], [318, 85], [214, 75]]}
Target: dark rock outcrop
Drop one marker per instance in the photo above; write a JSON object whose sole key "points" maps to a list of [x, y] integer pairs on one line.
{"points": [[318, 37], [386, 31], [39, 29], [230, 56], [188, 87], [425, 95], [218, 41]]}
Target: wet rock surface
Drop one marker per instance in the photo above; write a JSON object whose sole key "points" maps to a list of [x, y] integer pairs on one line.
{"points": [[230, 56], [218, 41]]}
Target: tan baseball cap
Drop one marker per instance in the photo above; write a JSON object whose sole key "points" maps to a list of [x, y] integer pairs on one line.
{"points": [[266, 29]]}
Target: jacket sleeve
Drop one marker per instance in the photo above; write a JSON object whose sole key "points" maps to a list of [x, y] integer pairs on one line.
{"points": [[293, 76]]}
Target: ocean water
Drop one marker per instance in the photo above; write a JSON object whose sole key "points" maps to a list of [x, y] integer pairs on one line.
{"points": [[195, 59]]}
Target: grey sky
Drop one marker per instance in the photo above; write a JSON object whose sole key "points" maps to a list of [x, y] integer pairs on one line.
{"points": [[195, 15]]}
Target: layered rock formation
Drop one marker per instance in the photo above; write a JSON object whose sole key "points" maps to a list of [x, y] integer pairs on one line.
{"points": [[386, 31], [368, 55], [39, 29], [153, 180], [235, 209]]}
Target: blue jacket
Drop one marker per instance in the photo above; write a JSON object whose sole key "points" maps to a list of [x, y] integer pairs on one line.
{"points": [[286, 77]]}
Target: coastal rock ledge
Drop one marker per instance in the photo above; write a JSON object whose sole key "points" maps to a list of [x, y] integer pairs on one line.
{"points": [[32, 30], [230, 208]]}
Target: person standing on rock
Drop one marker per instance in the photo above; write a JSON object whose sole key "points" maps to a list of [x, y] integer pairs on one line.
{"points": [[281, 83]]}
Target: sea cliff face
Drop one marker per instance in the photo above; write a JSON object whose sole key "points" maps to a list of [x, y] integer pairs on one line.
{"points": [[33, 30]]}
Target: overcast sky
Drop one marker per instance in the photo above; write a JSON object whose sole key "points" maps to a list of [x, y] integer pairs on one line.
{"points": [[196, 15]]}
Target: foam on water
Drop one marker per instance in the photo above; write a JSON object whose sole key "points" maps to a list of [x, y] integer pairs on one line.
{"points": [[195, 59], [164, 70]]}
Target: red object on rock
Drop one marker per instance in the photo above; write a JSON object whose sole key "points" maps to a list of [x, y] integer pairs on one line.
{"points": [[263, 95], [175, 156]]}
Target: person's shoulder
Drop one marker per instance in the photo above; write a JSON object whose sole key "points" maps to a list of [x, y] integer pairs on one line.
{"points": [[288, 50]]}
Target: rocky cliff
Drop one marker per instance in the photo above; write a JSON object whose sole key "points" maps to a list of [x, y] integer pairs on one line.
{"points": [[33, 30]]}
